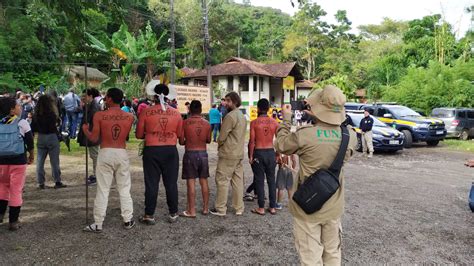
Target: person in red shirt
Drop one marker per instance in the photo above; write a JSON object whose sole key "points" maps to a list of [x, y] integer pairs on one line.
{"points": [[262, 156], [196, 135], [161, 126], [112, 127]]}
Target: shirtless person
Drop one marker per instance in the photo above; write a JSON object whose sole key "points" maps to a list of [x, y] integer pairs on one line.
{"points": [[262, 156], [196, 134], [161, 126], [112, 128]]}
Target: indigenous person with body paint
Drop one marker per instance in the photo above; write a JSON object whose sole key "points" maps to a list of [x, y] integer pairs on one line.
{"points": [[262, 156], [17, 141], [196, 135], [161, 126], [112, 127], [318, 235]]}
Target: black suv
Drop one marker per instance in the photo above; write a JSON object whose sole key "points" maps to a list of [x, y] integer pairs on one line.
{"points": [[414, 126]]}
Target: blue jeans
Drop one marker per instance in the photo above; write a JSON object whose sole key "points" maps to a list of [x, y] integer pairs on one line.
{"points": [[72, 121], [215, 128]]}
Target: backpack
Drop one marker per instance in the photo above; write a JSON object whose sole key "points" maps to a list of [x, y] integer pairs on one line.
{"points": [[11, 141]]}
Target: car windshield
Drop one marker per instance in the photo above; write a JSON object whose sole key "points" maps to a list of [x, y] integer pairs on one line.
{"points": [[402, 111], [357, 117], [442, 113]]}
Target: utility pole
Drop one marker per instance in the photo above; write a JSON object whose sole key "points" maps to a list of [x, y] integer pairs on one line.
{"points": [[173, 51], [205, 12]]}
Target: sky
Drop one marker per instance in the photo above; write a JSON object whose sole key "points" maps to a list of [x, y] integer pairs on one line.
{"points": [[362, 12]]}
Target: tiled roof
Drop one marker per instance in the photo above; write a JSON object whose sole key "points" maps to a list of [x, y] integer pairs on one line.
{"points": [[241, 66]]}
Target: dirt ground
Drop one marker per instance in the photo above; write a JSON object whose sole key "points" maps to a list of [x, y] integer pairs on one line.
{"points": [[410, 207]]}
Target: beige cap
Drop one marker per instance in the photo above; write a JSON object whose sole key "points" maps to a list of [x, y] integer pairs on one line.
{"points": [[327, 105]]}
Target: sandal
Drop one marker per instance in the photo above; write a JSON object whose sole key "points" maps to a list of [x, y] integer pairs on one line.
{"points": [[187, 215], [205, 212], [272, 211], [147, 220], [257, 212]]}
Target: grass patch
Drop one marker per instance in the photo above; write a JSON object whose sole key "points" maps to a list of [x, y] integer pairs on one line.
{"points": [[459, 145]]}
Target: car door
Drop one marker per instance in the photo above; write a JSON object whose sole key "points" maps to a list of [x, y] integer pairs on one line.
{"points": [[470, 121]]}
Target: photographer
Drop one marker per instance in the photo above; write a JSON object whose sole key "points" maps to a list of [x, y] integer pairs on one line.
{"points": [[317, 235]]}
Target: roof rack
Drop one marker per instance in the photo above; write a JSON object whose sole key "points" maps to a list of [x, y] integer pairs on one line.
{"points": [[355, 111], [385, 103]]}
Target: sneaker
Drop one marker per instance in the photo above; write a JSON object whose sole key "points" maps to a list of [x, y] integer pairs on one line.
{"points": [[147, 220], [216, 213], [370, 155], [248, 197], [279, 206], [93, 228], [239, 213], [41, 186], [129, 225], [14, 226], [172, 218], [59, 185], [92, 180]]}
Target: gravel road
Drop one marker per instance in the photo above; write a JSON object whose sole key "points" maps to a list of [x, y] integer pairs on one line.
{"points": [[410, 207]]}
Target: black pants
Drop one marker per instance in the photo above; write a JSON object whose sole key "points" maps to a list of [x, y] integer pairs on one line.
{"points": [[161, 161], [264, 165]]}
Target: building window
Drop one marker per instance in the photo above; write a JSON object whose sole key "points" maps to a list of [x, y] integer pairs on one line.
{"points": [[244, 83], [230, 83], [255, 81], [261, 79]]}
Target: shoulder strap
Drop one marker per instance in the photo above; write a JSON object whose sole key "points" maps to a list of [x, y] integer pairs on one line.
{"points": [[336, 166]]}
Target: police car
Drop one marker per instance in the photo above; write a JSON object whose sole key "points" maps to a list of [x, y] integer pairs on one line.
{"points": [[415, 127], [384, 138]]}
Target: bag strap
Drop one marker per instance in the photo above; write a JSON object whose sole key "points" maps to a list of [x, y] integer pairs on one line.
{"points": [[336, 165]]}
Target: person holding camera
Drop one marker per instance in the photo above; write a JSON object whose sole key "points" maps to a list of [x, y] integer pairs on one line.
{"points": [[318, 232]]}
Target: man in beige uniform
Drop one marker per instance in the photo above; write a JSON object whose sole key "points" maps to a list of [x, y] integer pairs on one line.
{"points": [[230, 153], [317, 236]]}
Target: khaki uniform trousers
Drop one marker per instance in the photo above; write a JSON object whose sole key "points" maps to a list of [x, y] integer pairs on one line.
{"points": [[367, 143], [229, 171], [113, 163], [318, 243]]}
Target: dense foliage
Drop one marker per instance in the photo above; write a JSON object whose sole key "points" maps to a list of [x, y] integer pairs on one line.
{"points": [[419, 63]]}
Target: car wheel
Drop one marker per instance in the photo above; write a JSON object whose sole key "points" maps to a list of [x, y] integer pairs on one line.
{"points": [[432, 143], [408, 138], [464, 135]]}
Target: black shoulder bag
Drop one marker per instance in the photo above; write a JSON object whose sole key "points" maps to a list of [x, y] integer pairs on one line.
{"points": [[320, 186]]}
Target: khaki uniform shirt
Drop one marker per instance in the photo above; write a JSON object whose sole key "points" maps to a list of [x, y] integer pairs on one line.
{"points": [[316, 146], [232, 136]]}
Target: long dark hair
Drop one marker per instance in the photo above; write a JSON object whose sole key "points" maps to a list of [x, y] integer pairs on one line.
{"points": [[6, 106], [46, 107]]}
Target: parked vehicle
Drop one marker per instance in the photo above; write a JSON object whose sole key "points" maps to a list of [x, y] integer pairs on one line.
{"points": [[459, 121], [385, 138], [414, 127], [353, 106]]}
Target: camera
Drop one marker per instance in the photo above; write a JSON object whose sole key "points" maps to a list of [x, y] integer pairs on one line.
{"points": [[299, 105]]}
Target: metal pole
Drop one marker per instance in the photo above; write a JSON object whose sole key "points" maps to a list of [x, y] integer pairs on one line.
{"points": [[86, 113], [173, 51], [207, 49]]}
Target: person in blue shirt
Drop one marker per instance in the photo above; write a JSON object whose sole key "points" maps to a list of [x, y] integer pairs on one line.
{"points": [[215, 120]]}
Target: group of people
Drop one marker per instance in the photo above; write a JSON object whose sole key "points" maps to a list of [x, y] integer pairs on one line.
{"points": [[160, 125]]}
